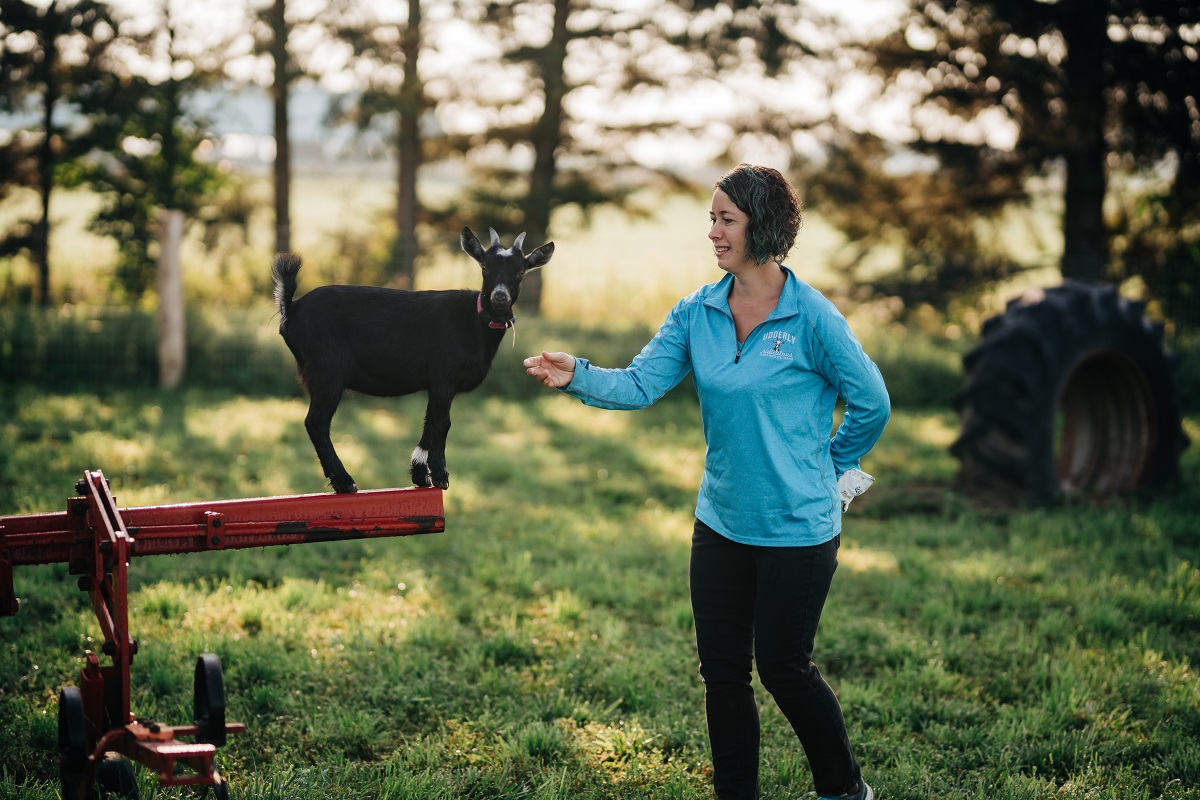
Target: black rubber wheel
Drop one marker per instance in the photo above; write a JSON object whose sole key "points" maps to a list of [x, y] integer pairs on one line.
{"points": [[209, 700], [116, 778], [1069, 393], [72, 743]]}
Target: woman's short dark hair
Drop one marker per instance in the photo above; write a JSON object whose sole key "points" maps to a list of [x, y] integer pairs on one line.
{"points": [[766, 197]]}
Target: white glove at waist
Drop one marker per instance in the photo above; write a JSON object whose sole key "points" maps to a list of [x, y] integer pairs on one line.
{"points": [[853, 483]]}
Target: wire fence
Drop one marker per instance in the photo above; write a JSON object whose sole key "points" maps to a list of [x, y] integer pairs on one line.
{"points": [[240, 350], [118, 347]]}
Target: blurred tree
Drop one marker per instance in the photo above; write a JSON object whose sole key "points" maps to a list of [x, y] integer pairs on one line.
{"points": [[48, 53], [284, 73], [767, 56], [386, 54], [146, 151], [551, 111], [787, 64], [1100, 98], [927, 236], [272, 28]]}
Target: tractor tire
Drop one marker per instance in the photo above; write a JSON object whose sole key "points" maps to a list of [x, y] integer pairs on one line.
{"points": [[208, 703], [116, 778], [72, 744], [1070, 393]]}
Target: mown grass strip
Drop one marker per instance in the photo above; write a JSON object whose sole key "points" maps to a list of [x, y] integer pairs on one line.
{"points": [[542, 646]]}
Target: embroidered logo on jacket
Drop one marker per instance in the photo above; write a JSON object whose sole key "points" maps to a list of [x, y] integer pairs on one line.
{"points": [[777, 340]]}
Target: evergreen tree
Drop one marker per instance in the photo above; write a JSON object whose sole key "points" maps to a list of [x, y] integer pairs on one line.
{"points": [[146, 153], [1095, 93], [274, 26], [517, 116], [48, 55], [386, 53]]}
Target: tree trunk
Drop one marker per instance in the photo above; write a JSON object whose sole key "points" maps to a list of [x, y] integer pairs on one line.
{"points": [[404, 254], [281, 91], [41, 234], [547, 139], [172, 345], [1085, 240]]}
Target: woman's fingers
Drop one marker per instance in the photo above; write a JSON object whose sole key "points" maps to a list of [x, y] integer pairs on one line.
{"points": [[552, 369]]}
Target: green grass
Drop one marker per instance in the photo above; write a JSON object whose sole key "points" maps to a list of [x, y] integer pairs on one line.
{"points": [[542, 646]]}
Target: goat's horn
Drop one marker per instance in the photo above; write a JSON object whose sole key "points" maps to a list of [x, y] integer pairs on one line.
{"points": [[495, 237], [520, 240]]}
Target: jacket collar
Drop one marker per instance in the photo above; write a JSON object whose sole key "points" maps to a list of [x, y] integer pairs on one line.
{"points": [[717, 295]]}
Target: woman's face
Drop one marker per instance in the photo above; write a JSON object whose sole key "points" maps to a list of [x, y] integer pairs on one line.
{"points": [[728, 234]]}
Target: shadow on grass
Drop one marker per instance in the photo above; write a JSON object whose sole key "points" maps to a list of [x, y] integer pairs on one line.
{"points": [[970, 651]]}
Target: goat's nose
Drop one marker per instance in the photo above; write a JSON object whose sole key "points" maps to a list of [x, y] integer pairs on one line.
{"points": [[501, 297]]}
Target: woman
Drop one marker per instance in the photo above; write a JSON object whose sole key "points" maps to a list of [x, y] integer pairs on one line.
{"points": [[770, 356]]}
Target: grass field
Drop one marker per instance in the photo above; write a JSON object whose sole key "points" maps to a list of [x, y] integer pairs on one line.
{"points": [[542, 646], [609, 268]]}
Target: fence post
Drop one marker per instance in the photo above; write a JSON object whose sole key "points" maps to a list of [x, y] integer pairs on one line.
{"points": [[171, 342]]}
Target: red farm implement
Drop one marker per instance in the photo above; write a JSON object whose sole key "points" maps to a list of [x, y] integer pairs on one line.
{"points": [[98, 736]]}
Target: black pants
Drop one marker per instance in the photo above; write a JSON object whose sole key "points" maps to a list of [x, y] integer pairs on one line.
{"points": [[765, 602]]}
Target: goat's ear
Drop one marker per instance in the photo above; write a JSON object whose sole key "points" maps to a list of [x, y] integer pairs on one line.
{"points": [[540, 257], [471, 245]]}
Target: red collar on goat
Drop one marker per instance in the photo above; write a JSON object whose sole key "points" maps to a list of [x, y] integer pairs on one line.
{"points": [[491, 322]]}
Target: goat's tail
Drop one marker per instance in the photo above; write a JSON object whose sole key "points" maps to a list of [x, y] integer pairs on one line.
{"points": [[283, 273]]}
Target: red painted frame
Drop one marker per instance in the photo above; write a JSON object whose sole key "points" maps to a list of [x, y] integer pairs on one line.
{"points": [[97, 540]]}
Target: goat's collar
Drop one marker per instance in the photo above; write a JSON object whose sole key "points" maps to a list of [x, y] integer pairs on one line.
{"points": [[491, 322]]}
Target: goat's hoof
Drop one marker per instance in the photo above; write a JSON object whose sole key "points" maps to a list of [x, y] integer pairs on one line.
{"points": [[444, 483], [345, 488]]}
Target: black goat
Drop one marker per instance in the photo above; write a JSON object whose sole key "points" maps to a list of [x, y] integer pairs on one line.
{"points": [[391, 342]]}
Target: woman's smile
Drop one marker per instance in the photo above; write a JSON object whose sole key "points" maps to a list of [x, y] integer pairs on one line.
{"points": [[727, 232]]}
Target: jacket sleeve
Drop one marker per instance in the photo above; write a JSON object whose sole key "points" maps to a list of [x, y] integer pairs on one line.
{"points": [[662, 364], [858, 382]]}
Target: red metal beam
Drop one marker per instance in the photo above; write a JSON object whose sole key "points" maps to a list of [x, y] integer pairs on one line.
{"points": [[75, 535]]}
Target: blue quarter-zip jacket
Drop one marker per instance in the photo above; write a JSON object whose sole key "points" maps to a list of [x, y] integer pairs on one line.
{"points": [[771, 469]]}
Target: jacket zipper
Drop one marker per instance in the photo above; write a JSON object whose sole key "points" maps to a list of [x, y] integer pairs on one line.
{"points": [[741, 345]]}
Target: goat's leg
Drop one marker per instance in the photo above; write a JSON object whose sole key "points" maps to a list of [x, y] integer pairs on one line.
{"points": [[321, 408], [429, 459]]}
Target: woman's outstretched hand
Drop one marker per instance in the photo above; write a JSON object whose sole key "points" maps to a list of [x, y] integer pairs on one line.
{"points": [[553, 369]]}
